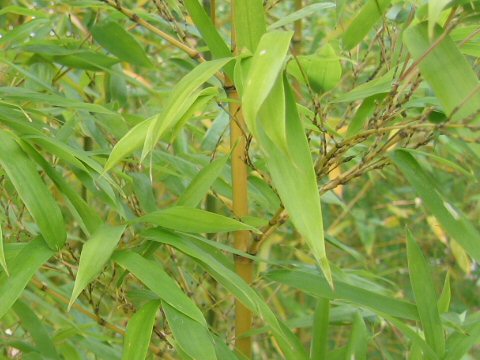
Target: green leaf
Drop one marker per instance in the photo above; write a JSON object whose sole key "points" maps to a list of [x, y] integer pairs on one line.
{"points": [[457, 227], [459, 344], [33, 191], [193, 338], [156, 279], [323, 69], [363, 113], [214, 264], [435, 8], [443, 302], [180, 100], [299, 194], [381, 85], [300, 14], [265, 69], [22, 268], [86, 60], [319, 342], [445, 69], [201, 183], [249, 23], [95, 254], [363, 22], [357, 344], [32, 324], [425, 296], [3, 263], [113, 37], [139, 331], [315, 284], [193, 220], [132, 141]]}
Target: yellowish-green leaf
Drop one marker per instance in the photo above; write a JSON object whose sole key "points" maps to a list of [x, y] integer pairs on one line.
{"points": [[139, 331], [358, 342], [3, 263], [201, 183], [117, 40], [189, 219], [425, 296], [193, 338], [22, 268], [435, 8], [249, 23], [445, 69], [300, 14], [443, 302], [32, 190], [95, 254]]}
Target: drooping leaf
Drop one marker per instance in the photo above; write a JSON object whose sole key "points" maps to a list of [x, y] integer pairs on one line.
{"points": [[32, 190], [139, 331], [193, 220], [425, 296], [435, 8], [156, 279], [95, 254], [190, 336], [380, 85], [201, 183], [38, 332], [363, 22], [113, 37], [457, 227], [180, 100], [445, 69], [22, 268]]}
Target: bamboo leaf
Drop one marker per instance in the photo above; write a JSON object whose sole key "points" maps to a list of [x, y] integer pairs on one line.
{"points": [[113, 37], [357, 344], [3, 263], [425, 296], [435, 8], [249, 23], [95, 254], [236, 285], [33, 191], [193, 220], [139, 331], [457, 227], [22, 268], [265, 69], [319, 342], [363, 22], [181, 98], [445, 69], [201, 183], [32, 324], [443, 302], [301, 14], [193, 338], [381, 85], [298, 193], [459, 344], [156, 279]]}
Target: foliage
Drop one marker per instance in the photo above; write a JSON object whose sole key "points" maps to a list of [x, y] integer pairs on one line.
{"points": [[319, 175]]}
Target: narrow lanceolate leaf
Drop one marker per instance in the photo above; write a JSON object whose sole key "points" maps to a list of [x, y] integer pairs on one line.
{"points": [[302, 13], [435, 8], [363, 22], [425, 296], [95, 254], [298, 193], [3, 263], [249, 23], [156, 279], [32, 324], [193, 220], [181, 99], [266, 66], [32, 190], [443, 302], [445, 69], [459, 344], [139, 332], [319, 342], [202, 182], [132, 141], [22, 268], [457, 227], [117, 40], [214, 265], [191, 337], [357, 344]]}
